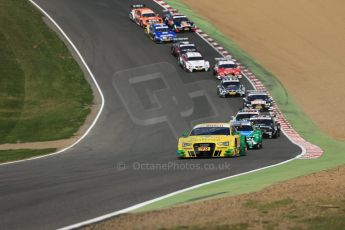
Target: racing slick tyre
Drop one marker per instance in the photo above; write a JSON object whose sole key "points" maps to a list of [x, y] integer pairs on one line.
{"points": [[259, 146], [220, 95], [276, 135], [184, 68], [179, 61], [173, 53]]}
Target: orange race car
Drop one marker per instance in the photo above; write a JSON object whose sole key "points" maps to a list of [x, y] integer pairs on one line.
{"points": [[143, 16]]}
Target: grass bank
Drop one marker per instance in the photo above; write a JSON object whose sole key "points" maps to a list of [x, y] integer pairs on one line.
{"points": [[43, 93], [15, 155], [301, 203], [334, 151]]}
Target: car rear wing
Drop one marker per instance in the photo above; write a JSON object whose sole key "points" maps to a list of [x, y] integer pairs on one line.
{"points": [[247, 110], [224, 59], [171, 10], [262, 116], [180, 39], [257, 92], [230, 78], [188, 50], [238, 123], [137, 6], [153, 21]]}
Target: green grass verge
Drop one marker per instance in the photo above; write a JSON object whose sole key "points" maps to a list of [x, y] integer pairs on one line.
{"points": [[20, 154], [334, 151], [43, 93]]}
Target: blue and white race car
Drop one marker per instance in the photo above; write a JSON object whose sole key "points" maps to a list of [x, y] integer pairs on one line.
{"points": [[160, 33], [230, 86]]}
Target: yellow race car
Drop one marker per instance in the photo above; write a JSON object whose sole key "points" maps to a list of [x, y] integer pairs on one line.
{"points": [[212, 140]]}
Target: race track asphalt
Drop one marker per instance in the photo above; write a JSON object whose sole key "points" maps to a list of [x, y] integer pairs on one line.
{"points": [[149, 100]]}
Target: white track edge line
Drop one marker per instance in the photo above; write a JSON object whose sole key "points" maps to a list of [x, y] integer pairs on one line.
{"points": [[93, 79], [140, 205]]}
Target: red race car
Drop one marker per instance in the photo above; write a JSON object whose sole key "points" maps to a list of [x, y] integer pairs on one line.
{"points": [[226, 67], [143, 16]]}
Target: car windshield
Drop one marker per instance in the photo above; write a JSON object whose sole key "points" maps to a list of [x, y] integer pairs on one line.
{"points": [[244, 128], [181, 19], [161, 30], [244, 116], [187, 50], [191, 48], [257, 97], [210, 131], [149, 15], [231, 85], [195, 59], [228, 66], [266, 122]]}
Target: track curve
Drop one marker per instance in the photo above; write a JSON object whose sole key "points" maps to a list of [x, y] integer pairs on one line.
{"points": [[149, 101]]}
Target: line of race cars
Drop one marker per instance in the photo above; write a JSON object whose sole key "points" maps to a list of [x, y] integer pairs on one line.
{"points": [[247, 128]]}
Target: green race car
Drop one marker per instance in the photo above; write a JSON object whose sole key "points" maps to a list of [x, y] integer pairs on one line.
{"points": [[252, 133]]}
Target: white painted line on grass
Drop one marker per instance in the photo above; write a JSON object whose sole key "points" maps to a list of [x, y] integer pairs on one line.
{"points": [[93, 78]]}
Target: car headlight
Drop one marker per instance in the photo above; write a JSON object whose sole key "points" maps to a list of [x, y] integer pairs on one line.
{"points": [[185, 144], [226, 143]]}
